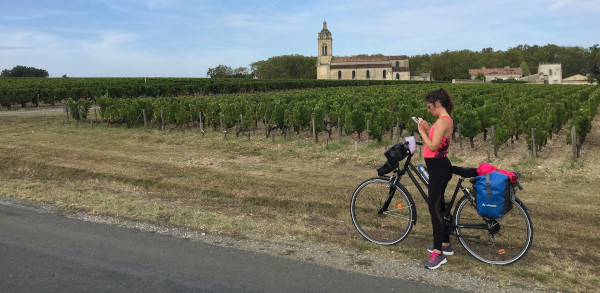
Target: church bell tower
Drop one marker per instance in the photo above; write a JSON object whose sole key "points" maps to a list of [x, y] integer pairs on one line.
{"points": [[325, 52]]}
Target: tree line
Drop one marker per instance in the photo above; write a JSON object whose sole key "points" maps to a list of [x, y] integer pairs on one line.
{"points": [[24, 71], [286, 67], [443, 66], [456, 64]]}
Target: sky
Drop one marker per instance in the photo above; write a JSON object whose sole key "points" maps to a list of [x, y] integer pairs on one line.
{"points": [[184, 38]]}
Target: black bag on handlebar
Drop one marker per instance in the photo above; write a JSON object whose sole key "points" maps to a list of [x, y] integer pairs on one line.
{"points": [[394, 155]]}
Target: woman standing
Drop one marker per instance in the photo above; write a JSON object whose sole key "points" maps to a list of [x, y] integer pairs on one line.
{"points": [[437, 140]]}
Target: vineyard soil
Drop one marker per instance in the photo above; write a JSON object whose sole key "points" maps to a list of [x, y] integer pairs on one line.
{"points": [[290, 197]]}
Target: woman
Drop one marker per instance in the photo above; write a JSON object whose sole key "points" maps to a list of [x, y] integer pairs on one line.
{"points": [[437, 140]]}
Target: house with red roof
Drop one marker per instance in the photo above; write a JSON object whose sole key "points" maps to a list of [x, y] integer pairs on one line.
{"points": [[497, 73]]}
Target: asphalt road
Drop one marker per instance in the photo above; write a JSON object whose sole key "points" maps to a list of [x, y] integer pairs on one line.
{"points": [[45, 252]]}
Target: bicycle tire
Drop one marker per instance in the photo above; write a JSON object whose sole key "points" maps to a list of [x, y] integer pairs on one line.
{"points": [[504, 242], [389, 227]]}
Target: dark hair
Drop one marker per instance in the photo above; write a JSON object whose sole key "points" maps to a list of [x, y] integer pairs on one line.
{"points": [[443, 96]]}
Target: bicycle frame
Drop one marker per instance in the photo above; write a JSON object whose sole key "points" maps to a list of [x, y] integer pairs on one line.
{"points": [[410, 169]]}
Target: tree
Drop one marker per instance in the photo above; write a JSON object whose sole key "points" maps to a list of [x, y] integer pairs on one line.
{"points": [[286, 66], [525, 68], [23, 71], [221, 71], [449, 69], [241, 72], [594, 64]]}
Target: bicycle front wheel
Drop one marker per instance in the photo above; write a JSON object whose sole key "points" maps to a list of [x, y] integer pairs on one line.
{"points": [[381, 213], [494, 241]]}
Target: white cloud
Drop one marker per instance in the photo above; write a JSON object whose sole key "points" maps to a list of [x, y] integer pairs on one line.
{"points": [[560, 3], [575, 6]]}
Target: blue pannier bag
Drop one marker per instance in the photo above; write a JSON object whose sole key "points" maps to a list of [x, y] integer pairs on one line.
{"points": [[494, 194]]}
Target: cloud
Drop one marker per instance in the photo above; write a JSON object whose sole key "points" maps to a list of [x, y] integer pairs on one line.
{"points": [[575, 6], [560, 3]]}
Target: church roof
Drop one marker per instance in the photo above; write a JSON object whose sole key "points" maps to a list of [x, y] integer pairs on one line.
{"points": [[367, 58], [367, 66]]}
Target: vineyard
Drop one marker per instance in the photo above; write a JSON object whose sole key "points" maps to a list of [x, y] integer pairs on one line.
{"points": [[21, 91], [531, 111], [374, 108]]}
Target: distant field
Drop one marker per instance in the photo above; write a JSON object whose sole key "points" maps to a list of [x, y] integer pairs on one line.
{"points": [[293, 188]]}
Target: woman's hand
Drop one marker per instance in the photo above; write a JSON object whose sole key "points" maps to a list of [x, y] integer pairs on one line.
{"points": [[423, 125]]}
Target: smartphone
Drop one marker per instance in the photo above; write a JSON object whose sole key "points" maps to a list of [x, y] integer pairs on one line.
{"points": [[415, 119]]}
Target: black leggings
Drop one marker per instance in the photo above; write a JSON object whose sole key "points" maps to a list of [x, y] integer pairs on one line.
{"points": [[440, 173]]}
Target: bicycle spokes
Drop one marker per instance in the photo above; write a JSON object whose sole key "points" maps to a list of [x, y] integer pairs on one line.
{"points": [[495, 241]]}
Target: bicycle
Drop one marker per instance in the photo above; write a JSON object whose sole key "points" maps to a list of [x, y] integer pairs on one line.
{"points": [[383, 212]]}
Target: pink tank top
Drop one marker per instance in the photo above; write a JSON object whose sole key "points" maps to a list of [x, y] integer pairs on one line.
{"points": [[442, 150]]}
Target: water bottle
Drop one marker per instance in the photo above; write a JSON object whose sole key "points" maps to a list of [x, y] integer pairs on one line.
{"points": [[424, 173]]}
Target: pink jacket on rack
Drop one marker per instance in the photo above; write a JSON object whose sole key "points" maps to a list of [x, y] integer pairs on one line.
{"points": [[485, 168]]}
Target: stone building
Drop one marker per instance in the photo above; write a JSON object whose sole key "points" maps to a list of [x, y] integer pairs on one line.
{"points": [[547, 74], [552, 73], [358, 67], [497, 73], [577, 79]]}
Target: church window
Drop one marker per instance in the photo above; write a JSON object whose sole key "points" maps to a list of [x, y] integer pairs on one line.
{"points": [[353, 74], [384, 74], [397, 75], [368, 74], [324, 49], [397, 63], [339, 74]]}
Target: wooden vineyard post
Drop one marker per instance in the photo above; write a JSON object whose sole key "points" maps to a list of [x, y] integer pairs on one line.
{"points": [[79, 113], [314, 130], [201, 123], [145, 120], [460, 138], [533, 148], [67, 110], [162, 120], [221, 122], [574, 144], [368, 132], [241, 124], [494, 141], [266, 127], [95, 116], [339, 129]]}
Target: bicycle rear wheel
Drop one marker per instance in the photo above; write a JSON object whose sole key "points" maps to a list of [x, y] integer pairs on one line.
{"points": [[494, 241], [376, 222]]}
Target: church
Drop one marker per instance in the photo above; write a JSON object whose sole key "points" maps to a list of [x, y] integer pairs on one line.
{"points": [[359, 67]]}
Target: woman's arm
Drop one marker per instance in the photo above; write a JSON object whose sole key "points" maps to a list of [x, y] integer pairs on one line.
{"points": [[441, 127]]}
